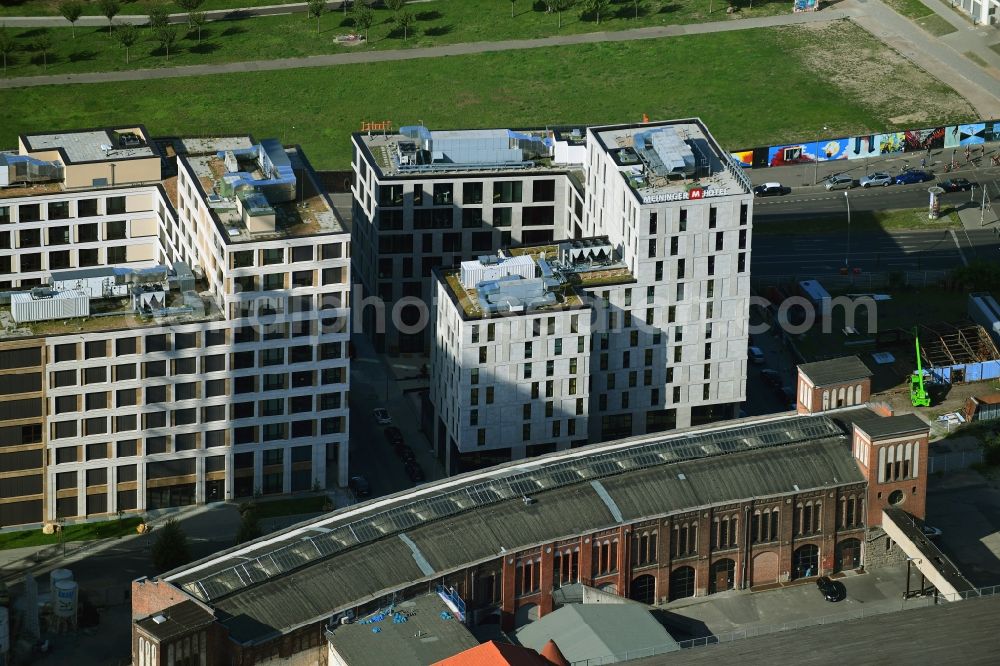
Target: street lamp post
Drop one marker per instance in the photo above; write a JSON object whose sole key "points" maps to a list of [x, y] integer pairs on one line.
{"points": [[847, 255]]}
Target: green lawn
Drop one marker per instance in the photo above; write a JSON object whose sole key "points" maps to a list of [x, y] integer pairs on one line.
{"points": [[319, 107], [81, 532], [51, 7], [936, 25], [862, 221], [268, 37], [291, 507], [913, 9]]}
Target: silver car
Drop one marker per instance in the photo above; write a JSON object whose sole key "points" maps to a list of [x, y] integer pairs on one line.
{"points": [[839, 181], [874, 179]]}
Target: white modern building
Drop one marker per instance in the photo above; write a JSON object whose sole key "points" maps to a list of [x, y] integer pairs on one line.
{"points": [[982, 12], [424, 199], [173, 324], [654, 298]]}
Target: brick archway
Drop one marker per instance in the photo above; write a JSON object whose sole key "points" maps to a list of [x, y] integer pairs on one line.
{"points": [[765, 568]]}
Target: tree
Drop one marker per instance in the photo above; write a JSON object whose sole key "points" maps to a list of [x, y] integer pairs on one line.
{"points": [[127, 35], [394, 5], [405, 20], [559, 6], [316, 8], [636, 4], [249, 528], [71, 10], [158, 17], [595, 7], [170, 550], [109, 10], [364, 17], [198, 20], [166, 37], [189, 6], [43, 44], [7, 46], [512, 8]]}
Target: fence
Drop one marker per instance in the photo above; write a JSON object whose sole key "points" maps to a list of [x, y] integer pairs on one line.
{"points": [[954, 460]]}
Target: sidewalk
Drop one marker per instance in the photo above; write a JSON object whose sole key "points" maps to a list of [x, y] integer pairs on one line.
{"points": [[969, 37]]}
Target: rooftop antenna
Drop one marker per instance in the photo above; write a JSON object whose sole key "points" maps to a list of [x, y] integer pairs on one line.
{"points": [[107, 148]]}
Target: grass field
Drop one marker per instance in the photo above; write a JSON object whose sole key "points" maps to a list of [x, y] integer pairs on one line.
{"points": [[82, 532], [810, 74], [861, 222], [976, 58], [923, 16], [438, 22], [51, 7]]}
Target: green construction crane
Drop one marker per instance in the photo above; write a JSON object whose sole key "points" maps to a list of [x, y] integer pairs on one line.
{"points": [[918, 394]]}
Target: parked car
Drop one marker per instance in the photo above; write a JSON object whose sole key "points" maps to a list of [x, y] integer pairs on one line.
{"points": [[956, 185], [772, 378], [931, 532], [832, 590], [381, 415], [414, 471], [393, 435], [913, 176], [359, 486], [756, 354], [839, 181], [771, 189], [403, 452], [874, 179]]}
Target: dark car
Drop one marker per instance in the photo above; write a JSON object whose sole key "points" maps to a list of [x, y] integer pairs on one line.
{"points": [[403, 452], [955, 185], [913, 176], [414, 471], [771, 189], [359, 486], [832, 590], [393, 435], [771, 377]]}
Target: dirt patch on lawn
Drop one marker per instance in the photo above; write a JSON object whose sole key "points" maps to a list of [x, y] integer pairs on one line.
{"points": [[860, 66]]}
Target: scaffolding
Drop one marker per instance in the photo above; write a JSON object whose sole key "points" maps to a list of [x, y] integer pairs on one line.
{"points": [[944, 344]]}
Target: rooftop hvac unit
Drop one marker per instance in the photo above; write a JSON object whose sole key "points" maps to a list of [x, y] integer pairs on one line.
{"points": [[46, 305]]}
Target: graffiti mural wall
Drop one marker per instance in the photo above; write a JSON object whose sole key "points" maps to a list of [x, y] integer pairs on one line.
{"points": [[869, 145]]}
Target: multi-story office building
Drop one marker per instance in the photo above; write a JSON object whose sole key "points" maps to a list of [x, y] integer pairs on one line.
{"points": [[424, 199], [173, 324], [662, 284]]}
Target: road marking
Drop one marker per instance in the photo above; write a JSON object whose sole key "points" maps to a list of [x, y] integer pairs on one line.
{"points": [[961, 254]]}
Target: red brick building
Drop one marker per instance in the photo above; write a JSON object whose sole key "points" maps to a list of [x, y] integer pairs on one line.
{"points": [[832, 384], [745, 504]]}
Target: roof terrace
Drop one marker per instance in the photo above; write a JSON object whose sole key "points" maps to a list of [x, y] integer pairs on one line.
{"points": [[538, 278], [672, 161], [417, 150], [259, 192]]}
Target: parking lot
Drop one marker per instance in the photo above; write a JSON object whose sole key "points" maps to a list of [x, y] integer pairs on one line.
{"points": [[965, 505]]}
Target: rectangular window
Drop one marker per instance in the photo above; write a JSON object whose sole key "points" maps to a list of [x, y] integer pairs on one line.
{"points": [[507, 191], [472, 193]]}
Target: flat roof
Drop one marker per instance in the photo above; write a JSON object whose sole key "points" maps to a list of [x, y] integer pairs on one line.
{"points": [[81, 146], [415, 632], [649, 155], [360, 553], [962, 632], [308, 214], [835, 371], [928, 549], [468, 151], [561, 279]]}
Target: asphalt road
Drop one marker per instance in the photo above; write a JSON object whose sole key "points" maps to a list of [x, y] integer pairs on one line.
{"points": [[825, 254]]}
